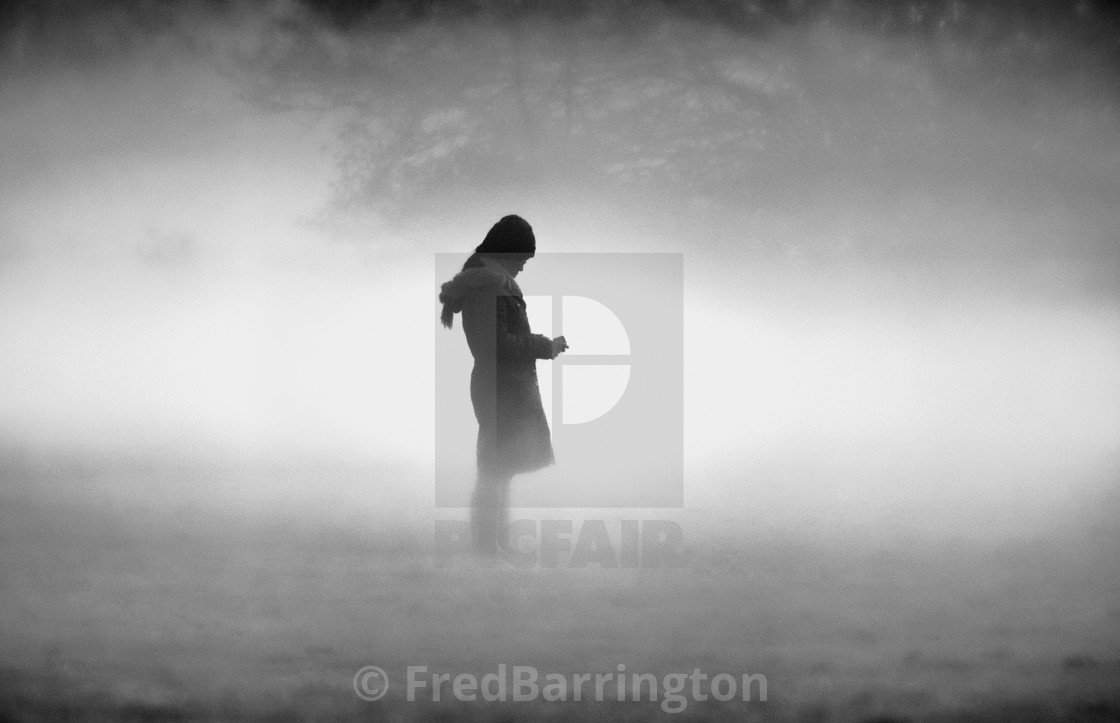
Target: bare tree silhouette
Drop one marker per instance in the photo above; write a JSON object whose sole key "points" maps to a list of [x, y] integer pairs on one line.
{"points": [[709, 104]]}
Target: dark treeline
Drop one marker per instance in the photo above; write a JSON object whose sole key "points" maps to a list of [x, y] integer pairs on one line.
{"points": [[988, 19], [111, 25], [713, 108]]}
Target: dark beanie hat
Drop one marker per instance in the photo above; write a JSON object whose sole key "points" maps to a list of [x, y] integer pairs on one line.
{"points": [[511, 235]]}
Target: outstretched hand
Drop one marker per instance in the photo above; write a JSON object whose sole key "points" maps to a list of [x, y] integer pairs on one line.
{"points": [[559, 345]]}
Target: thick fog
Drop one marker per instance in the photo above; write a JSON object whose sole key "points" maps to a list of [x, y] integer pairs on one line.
{"points": [[223, 229], [902, 308]]}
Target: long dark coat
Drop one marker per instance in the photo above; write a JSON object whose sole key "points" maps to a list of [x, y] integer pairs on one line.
{"points": [[513, 434]]}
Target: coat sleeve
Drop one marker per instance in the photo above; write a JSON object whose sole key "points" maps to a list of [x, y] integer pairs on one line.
{"points": [[488, 333]]}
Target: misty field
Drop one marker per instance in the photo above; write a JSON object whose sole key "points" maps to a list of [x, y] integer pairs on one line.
{"points": [[124, 608], [901, 351]]}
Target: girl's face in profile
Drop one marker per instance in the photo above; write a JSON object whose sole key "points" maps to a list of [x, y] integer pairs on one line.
{"points": [[514, 263]]}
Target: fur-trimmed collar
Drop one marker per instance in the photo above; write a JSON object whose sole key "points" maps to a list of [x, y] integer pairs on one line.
{"points": [[453, 293]]}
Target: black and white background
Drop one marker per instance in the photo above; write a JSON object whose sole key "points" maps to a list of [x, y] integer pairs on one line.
{"points": [[901, 373]]}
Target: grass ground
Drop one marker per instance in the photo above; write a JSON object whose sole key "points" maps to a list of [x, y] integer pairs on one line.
{"points": [[114, 610]]}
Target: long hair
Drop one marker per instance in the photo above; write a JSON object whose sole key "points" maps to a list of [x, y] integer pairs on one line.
{"points": [[448, 314]]}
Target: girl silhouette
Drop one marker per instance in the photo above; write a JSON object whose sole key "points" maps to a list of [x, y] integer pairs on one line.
{"points": [[513, 434]]}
